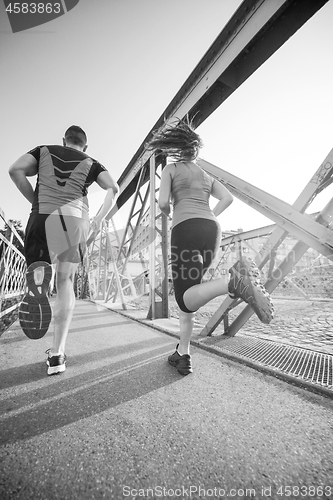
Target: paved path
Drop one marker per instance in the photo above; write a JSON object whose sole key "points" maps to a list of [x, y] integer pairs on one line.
{"points": [[121, 423]]}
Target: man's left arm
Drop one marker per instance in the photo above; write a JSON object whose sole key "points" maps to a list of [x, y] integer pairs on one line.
{"points": [[106, 182], [25, 166]]}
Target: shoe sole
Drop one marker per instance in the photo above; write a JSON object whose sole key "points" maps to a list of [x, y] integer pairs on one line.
{"points": [[55, 370], [35, 312], [253, 292]]}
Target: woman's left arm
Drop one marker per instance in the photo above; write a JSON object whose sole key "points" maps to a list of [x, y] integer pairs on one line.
{"points": [[222, 194]]}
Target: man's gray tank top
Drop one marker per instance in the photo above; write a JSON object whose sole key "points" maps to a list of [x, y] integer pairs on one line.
{"points": [[190, 191]]}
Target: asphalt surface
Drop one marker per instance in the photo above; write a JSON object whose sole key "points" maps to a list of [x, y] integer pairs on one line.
{"points": [[122, 423]]}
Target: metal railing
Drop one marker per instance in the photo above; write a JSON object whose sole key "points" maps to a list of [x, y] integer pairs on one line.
{"points": [[12, 274]]}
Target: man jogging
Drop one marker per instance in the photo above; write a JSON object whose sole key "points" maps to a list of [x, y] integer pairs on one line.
{"points": [[57, 232]]}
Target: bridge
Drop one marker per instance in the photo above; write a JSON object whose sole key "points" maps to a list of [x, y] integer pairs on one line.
{"points": [[125, 282], [130, 269]]}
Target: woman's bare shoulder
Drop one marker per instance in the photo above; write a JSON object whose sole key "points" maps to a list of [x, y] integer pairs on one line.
{"points": [[170, 168]]}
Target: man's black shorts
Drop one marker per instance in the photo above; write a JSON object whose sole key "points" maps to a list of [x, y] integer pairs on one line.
{"points": [[55, 237]]}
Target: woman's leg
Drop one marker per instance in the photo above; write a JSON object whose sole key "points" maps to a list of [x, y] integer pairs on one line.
{"points": [[186, 323], [201, 293], [198, 295], [192, 257]]}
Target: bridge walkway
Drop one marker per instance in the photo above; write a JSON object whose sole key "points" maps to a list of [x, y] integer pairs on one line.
{"points": [[122, 423]]}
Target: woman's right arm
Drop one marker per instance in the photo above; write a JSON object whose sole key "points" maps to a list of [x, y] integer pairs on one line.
{"points": [[165, 189], [222, 194]]}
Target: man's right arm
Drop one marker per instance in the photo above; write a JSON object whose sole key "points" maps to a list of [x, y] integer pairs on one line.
{"points": [[25, 166]]}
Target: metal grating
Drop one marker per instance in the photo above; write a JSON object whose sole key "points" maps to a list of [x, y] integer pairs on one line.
{"points": [[311, 366]]}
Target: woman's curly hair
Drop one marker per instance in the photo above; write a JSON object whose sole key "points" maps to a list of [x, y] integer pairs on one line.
{"points": [[180, 141]]}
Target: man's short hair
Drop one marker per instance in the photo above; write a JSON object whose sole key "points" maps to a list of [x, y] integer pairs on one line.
{"points": [[75, 135]]}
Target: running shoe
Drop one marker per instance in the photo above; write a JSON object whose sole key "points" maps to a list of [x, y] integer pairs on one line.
{"points": [[35, 311], [182, 363], [56, 364], [245, 284]]}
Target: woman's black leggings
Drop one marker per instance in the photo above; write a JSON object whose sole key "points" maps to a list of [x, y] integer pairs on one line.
{"points": [[194, 244]]}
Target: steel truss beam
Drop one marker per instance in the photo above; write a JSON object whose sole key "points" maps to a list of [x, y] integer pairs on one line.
{"points": [[158, 309], [133, 224], [302, 226], [108, 286], [256, 30], [326, 219], [96, 267], [288, 218], [248, 235], [237, 239]]}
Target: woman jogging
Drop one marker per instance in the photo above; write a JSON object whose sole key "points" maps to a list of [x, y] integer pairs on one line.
{"points": [[196, 236]]}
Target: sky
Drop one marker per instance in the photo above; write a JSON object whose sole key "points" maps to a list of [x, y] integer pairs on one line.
{"points": [[113, 66]]}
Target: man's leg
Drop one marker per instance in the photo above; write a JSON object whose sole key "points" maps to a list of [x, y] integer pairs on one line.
{"points": [[63, 306], [35, 312]]}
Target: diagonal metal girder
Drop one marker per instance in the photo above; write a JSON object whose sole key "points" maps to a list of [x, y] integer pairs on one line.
{"points": [[256, 30], [326, 218], [248, 235], [321, 179], [285, 215]]}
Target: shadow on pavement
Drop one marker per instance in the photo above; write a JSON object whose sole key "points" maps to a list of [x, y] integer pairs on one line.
{"points": [[22, 375], [19, 336], [94, 391]]}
